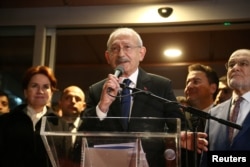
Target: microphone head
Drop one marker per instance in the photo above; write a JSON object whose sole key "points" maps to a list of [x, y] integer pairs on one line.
{"points": [[119, 70]]}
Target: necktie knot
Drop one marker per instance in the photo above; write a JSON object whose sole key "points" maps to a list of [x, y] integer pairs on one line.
{"points": [[71, 126], [125, 93], [235, 108], [237, 100], [127, 82]]}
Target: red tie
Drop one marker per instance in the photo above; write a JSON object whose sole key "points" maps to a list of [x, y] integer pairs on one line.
{"points": [[234, 115]]}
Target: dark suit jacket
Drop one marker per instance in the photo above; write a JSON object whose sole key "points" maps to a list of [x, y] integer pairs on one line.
{"points": [[218, 133], [143, 106], [20, 144]]}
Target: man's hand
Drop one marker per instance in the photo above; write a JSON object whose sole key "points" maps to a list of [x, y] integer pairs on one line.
{"points": [[187, 141], [111, 86]]}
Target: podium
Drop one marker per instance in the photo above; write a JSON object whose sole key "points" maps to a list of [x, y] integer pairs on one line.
{"points": [[141, 146]]}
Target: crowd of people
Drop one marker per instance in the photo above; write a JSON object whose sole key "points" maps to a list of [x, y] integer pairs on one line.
{"points": [[22, 145]]}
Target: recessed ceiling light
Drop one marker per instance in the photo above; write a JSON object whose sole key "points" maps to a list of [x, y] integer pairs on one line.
{"points": [[172, 52]]}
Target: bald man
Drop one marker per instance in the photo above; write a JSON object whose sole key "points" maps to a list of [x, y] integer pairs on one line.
{"points": [[72, 103]]}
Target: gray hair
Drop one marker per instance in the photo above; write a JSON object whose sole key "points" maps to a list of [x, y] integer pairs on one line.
{"points": [[124, 31]]}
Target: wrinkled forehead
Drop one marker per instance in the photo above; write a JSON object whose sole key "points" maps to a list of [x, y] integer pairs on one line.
{"points": [[73, 92], [240, 54], [124, 33], [122, 38]]}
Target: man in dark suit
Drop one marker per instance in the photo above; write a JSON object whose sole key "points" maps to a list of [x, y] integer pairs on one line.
{"points": [[72, 103], [238, 77], [125, 48]]}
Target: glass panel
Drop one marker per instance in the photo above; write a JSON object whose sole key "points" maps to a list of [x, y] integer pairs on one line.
{"points": [[16, 53], [107, 148]]}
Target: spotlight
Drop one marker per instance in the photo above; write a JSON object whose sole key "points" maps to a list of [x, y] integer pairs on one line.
{"points": [[165, 11]]}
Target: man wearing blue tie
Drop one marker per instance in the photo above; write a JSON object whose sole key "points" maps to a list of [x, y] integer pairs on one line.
{"points": [[125, 48]]}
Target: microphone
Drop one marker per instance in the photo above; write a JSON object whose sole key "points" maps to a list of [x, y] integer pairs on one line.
{"points": [[119, 70]]}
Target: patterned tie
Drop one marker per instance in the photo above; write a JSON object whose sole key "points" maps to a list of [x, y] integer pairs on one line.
{"points": [[125, 103], [71, 126], [234, 115]]}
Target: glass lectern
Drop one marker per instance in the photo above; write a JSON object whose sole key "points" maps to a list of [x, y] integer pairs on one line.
{"points": [[106, 148]]}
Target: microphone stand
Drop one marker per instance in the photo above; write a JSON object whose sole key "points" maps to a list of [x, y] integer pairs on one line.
{"points": [[189, 109]]}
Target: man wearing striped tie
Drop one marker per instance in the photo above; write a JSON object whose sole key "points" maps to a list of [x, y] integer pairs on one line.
{"points": [[225, 139]]}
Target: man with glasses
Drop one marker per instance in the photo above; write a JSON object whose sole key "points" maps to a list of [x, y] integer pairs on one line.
{"points": [[125, 48], [222, 137]]}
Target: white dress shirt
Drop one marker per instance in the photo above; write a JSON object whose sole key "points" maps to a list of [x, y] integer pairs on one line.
{"points": [[35, 116]]}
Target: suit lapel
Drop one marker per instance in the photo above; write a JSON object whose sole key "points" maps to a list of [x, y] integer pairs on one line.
{"points": [[143, 83], [143, 80]]}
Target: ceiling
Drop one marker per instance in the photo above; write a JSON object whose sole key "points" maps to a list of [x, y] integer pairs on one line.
{"points": [[60, 3], [85, 52]]}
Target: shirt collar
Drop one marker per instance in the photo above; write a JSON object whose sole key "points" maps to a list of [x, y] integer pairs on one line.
{"points": [[35, 116], [133, 77], [246, 96], [77, 122], [32, 112]]}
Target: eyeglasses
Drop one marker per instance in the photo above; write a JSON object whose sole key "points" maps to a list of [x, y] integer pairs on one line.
{"points": [[125, 48], [241, 63]]}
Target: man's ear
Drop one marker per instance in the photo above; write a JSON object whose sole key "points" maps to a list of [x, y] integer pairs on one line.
{"points": [[84, 106], [213, 88], [107, 56]]}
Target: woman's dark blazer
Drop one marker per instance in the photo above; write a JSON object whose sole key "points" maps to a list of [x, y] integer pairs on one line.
{"points": [[20, 145]]}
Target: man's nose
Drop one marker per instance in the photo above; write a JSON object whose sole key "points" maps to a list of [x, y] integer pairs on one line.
{"points": [[189, 84], [73, 100], [121, 51]]}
